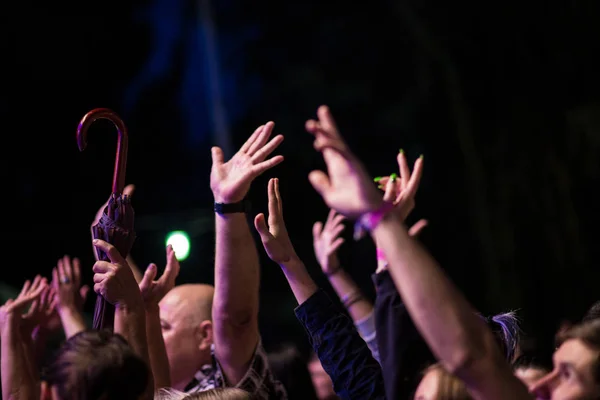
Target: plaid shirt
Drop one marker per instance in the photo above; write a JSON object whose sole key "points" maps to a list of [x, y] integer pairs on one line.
{"points": [[258, 381]]}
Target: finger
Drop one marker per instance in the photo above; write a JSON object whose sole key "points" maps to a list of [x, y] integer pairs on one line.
{"points": [[327, 121], [312, 126], [246, 146], [19, 303], [273, 209], [259, 168], [217, 155], [330, 218], [110, 250], [337, 243], [25, 288], [415, 179], [102, 267], [278, 197], [335, 232], [37, 280], [416, 229], [83, 292], [317, 229], [404, 170], [98, 277], [55, 279], [338, 220], [382, 182], [128, 190], [149, 276], [261, 227], [390, 191], [261, 139], [61, 270], [33, 308], [100, 288], [68, 268], [267, 149], [76, 272], [320, 181], [173, 267]]}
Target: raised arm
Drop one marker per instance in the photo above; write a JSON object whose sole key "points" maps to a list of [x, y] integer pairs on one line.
{"points": [[342, 352], [326, 242], [70, 295], [449, 325], [152, 292], [114, 280], [18, 382], [235, 305]]}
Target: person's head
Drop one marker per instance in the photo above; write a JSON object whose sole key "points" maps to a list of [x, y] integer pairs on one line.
{"points": [[214, 394], [576, 371], [290, 368], [185, 318], [320, 379], [438, 384], [95, 365], [505, 328], [592, 313], [530, 369]]}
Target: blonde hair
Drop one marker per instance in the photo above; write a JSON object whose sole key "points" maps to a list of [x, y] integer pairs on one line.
{"points": [[213, 394], [449, 386]]}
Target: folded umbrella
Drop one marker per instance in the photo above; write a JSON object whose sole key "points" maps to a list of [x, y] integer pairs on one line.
{"points": [[116, 224]]}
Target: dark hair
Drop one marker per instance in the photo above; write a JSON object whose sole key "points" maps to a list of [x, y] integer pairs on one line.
{"points": [[95, 365], [589, 333], [532, 361], [505, 328], [592, 313], [290, 368]]}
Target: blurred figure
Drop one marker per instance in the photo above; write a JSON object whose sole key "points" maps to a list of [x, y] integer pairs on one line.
{"points": [[530, 369], [213, 394], [117, 373], [438, 384], [320, 379], [290, 368]]}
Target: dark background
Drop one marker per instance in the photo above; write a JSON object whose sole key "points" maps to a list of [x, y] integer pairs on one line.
{"points": [[502, 99]]}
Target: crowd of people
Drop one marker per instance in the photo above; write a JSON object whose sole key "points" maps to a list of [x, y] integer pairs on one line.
{"points": [[421, 339]]}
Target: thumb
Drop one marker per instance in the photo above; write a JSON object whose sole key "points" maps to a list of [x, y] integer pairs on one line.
{"points": [[261, 226], [217, 155], [149, 275], [83, 292], [320, 182]]}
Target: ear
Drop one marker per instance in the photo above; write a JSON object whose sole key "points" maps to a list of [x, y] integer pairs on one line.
{"points": [[204, 335]]}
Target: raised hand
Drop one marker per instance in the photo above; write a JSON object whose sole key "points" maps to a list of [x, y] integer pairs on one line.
{"points": [[230, 181], [348, 188], [12, 311], [114, 280], [400, 201], [154, 290], [66, 281], [275, 238], [327, 240], [406, 187]]}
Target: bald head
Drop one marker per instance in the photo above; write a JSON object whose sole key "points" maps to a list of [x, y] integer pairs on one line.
{"points": [[191, 302]]}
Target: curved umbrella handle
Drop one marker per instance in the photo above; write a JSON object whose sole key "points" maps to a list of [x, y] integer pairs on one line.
{"points": [[122, 142]]}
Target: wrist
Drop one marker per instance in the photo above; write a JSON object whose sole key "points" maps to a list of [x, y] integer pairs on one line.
{"points": [[151, 307], [371, 219], [65, 311]]}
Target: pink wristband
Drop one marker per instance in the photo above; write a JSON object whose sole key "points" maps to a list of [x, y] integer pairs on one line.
{"points": [[381, 255], [367, 222]]}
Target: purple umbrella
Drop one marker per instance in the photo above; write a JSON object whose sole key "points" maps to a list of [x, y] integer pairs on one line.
{"points": [[116, 224]]}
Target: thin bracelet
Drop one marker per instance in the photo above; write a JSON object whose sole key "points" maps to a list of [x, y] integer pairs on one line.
{"points": [[335, 271], [351, 298]]}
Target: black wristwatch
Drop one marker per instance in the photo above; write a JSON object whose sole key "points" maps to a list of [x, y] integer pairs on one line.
{"points": [[233, 208]]}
